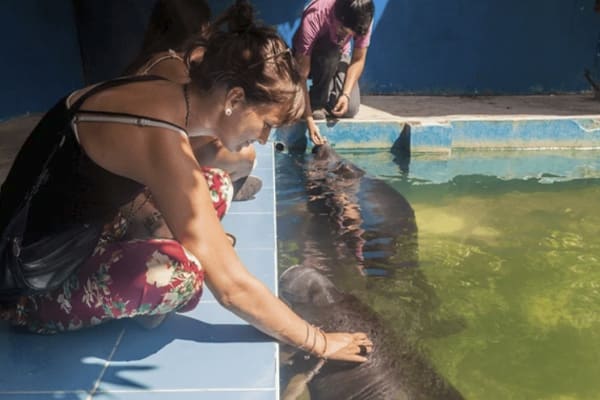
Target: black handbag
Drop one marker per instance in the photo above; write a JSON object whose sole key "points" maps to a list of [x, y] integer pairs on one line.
{"points": [[45, 264]]}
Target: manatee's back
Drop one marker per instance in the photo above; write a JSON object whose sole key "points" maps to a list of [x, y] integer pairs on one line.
{"points": [[395, 369]]}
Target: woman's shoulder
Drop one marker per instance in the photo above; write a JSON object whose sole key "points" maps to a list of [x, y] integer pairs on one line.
{"points": [[76, 95], [146, 116]]}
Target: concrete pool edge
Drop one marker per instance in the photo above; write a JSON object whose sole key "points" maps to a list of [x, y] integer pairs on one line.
{"points": [[445, 134]]}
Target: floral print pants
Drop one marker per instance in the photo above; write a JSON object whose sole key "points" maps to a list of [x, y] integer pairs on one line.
{"points": [[123, 279]]}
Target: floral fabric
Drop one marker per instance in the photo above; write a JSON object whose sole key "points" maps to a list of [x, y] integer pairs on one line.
{"points": [[123, 279]]}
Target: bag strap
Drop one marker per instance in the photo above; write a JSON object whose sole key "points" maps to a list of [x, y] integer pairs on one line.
{"points": [[44, 174]]}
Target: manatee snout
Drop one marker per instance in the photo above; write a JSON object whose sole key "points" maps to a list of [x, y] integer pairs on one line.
{"points": [[322, 151], [334, 164], [305, 285]]}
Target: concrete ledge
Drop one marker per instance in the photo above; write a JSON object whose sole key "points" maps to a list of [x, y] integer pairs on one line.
{"points": [[446, 123]]}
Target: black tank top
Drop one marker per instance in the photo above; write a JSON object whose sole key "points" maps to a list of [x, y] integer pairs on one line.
{"points": [[77, 191]]}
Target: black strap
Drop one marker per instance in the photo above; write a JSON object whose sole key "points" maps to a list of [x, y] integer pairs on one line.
{"points": [[76, 107], [98, 88], [110, 84]]}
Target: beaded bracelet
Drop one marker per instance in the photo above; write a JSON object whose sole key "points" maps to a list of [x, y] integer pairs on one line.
{"points": [[346, 95]]}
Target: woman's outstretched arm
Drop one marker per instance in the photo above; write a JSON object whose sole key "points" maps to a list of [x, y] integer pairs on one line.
{"points": [[181, 193]]}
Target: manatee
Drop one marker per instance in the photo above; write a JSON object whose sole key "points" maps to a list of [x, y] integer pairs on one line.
{"points": [[367, 218]]}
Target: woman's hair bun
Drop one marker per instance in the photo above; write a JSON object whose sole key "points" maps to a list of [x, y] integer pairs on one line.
{"points": [[241, 16]]}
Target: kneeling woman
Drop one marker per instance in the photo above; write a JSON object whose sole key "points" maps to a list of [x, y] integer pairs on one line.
{"points": [[135, 133]]}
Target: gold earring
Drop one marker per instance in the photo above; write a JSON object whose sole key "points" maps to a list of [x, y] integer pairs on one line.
{"points": [[228, 112]]}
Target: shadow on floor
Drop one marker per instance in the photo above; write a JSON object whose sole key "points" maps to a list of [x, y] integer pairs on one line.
{"points": [[75, 360]]}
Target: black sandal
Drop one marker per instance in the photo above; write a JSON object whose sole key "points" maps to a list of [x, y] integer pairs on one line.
{"points": [[232, 239], [246, 188]]}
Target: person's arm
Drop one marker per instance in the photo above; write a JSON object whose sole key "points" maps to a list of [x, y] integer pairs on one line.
{"points": [[181, 194], [164, 162], [314, 20], [303, 62], [355, 70]]}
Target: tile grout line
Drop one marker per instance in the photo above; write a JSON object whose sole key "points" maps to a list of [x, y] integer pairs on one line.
{"points": [[192, 390], [181, 390], [249, 212], [106, 364], [275, 266], [36, 392], [209, 302], [238, 249]]}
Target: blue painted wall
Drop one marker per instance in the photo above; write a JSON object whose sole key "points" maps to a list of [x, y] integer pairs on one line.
{"points": [[419, 47], [470, 46], [483, 47], [110, 35], [40, 55]]}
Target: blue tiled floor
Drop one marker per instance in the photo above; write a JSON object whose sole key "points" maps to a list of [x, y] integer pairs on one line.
{"points": [[208, 353]]}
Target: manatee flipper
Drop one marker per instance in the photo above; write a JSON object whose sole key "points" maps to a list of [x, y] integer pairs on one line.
{"points": [[297, 388]]}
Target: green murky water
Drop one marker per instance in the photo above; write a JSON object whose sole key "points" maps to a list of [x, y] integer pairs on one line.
{"points": [[514, 262]]}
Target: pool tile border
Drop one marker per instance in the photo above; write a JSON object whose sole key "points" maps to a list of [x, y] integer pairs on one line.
{"points": [[436, 136]]}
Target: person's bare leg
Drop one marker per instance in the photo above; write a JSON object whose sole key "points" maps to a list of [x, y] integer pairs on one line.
{"points": [[238, 165], [212, 153]]}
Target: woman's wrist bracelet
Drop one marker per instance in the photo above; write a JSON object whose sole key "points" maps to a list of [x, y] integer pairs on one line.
{"points": [[312, 349], [303, 345], [314, 342], [324, 343], [345, 95]]}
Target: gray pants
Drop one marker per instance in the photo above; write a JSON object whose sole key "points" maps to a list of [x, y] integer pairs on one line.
{"points": [[328, 69]]}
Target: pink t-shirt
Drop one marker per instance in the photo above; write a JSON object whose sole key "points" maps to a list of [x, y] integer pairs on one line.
{"points": [[318, 20]]}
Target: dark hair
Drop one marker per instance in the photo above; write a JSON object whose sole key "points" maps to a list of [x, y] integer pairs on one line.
{"points": [[172, 24], [241, 52], [355, 14]]}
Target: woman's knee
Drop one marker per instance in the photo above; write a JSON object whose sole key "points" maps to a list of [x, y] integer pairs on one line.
{"points": [[220, 188], [165, 276], [353, 102], [247, 159], [237, 163]]}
